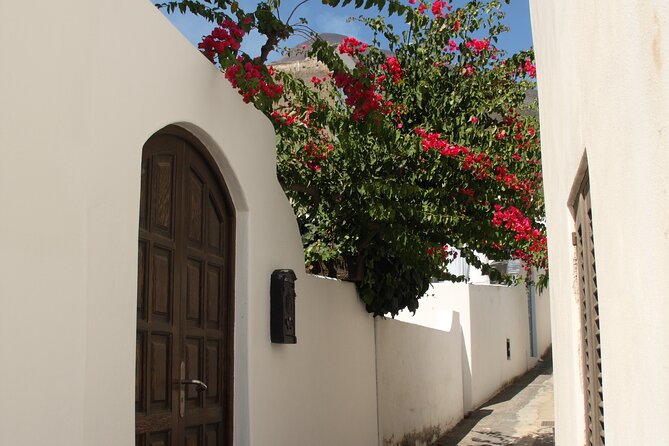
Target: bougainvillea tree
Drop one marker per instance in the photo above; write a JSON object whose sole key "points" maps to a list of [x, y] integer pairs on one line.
{"points": [[398, 161]]}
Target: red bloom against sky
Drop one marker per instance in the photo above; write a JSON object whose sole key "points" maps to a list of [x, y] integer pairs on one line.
{"points": [[335, 20]]}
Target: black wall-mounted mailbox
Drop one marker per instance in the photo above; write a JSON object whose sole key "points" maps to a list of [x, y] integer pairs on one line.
{"points": [[282, 303]]}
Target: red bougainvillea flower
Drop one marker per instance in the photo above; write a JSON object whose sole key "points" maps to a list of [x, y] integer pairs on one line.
{"points": [[513, 219], [530, 69], [228, 35], [437, 8], [352, 46], [478, 46], [433, 141], [361, 96], [393, 67], [250, 80]]}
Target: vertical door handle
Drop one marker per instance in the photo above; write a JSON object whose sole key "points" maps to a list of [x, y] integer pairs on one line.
{"points": [[183, 382]]}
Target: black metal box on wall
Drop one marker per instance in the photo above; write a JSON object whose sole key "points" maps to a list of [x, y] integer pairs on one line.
{"points": [[282, 306]]}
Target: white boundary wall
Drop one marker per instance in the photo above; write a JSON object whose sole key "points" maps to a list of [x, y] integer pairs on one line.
{"points": [[489, 315], [419, 381], [603, 75]]}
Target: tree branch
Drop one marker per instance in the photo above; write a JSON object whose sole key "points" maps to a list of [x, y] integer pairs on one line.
{"points": [[312, 191]]}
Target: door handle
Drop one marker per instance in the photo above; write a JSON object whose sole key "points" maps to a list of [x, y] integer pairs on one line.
{"points": [[183, 382], [195, 382]]}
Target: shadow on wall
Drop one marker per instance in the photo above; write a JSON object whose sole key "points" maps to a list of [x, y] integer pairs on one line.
{"points": [[466, 379]]}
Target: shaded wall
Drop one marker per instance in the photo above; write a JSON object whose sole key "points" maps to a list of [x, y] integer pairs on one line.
{"points": [[603, 75]]}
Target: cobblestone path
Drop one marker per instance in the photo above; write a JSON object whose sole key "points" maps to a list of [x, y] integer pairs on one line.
{"points": [[521, 415]]}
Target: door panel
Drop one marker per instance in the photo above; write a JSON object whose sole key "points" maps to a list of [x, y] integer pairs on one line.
{"points": [[184, 298]]}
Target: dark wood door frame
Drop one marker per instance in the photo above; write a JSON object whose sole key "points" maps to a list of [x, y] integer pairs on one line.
{"points": [[186, 256]]}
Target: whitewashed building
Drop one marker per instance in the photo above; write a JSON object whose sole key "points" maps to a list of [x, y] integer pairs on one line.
{"points": [[141, 221], [603, 75]]}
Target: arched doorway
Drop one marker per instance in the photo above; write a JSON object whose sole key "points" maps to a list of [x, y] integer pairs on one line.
{"points": [[185, 311]]}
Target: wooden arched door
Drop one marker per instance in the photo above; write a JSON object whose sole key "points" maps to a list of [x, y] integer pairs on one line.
{"points": [[185, 313]]}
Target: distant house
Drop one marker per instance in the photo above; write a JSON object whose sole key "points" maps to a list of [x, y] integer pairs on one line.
{"points": [[296, 62], [603, 75]]}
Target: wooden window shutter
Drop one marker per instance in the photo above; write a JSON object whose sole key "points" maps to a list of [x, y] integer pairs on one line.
{"points": [[591, 346]]}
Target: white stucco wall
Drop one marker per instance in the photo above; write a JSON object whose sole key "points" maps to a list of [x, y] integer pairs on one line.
{"points": [[83, 84], [543, 315], [489, 314], [603, 74], [497, 313], [436, 310], [419, 375]]}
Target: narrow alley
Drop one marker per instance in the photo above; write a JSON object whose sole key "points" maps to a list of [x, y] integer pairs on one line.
{"points": [[521, 415]]}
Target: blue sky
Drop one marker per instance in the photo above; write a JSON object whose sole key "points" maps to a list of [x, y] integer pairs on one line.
{"points": [[335, 20]]}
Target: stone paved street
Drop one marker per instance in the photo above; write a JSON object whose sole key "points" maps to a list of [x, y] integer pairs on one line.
{"points": [[521, 415]]}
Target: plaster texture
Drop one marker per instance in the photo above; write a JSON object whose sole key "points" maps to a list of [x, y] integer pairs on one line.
{"points": [[419, 379], [603, 76], [83, 85], [489, 315]]}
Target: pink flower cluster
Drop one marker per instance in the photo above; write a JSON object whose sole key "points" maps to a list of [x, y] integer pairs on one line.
{"points": [[228, 35], [513, 219], [318, 80], [286, 118], [316, 154], [392, 66], [509, 179], [482, 167], [438, 8], [478, 46], [433, 141], [361, 96], [479, 164], [352, 46], [529, 68], [249, 79]]}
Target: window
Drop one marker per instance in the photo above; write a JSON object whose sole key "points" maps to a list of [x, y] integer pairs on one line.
{"points": [[591, 351]]}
